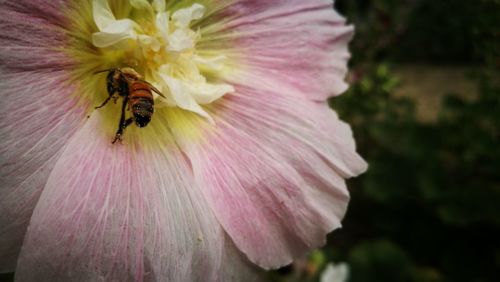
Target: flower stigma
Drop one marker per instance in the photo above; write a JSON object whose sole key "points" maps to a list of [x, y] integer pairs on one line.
{"points": [[162, 47]]}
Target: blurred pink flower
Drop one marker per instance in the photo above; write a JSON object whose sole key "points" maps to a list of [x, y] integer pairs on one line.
{"points": [[243, 163]]}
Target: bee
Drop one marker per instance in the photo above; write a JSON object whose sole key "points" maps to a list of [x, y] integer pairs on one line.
{"points": [[137, 95]]}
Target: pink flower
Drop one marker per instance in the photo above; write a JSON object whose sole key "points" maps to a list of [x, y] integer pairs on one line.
{"points": [[242, 165]]}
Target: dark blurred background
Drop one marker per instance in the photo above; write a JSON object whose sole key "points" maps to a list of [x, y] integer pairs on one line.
{"points": [[424, 105]]}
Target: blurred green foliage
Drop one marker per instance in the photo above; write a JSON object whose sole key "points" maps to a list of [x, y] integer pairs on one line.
{"points": [[446, 31], [428, 208]]}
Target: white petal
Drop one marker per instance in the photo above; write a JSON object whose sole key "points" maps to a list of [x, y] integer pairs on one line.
{"points": [[205, 93], [103, 16], [180, 94], [159, 5], [114, 33], [103, 39], [180, 40], [142, 5], [150, 41], [120, 26], [162, 24], [183, 17], [214, 63]]}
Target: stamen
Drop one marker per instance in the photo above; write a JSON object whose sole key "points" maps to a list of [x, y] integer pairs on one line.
{"points": [[162, 46]]}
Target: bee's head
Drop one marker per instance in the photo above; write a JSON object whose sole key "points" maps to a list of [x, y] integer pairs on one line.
{"points": [[113, 75]]}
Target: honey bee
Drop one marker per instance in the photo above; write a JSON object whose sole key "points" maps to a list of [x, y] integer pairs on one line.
{"points": [[137, 95]]}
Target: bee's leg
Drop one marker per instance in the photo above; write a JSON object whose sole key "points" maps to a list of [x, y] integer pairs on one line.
{"points": [[119, 133], [106, 101], [123, 123]]}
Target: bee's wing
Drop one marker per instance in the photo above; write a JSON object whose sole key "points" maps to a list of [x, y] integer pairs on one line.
{"points": [[154, 89]]}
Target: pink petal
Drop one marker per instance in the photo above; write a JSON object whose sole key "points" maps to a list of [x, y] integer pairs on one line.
{"points": [[126, 212], [32, 33], [37, 113], [273, 171], [37, 117], [274, 168], [303, 43]]}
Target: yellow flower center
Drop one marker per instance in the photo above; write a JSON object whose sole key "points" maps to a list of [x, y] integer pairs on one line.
{"points": [[162, 47]]}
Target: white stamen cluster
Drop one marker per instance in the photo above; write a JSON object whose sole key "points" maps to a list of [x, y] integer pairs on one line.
{"points": [[164, 46]]}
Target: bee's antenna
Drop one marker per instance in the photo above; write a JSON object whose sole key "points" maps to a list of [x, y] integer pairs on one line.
{"points": [[99, 71]]}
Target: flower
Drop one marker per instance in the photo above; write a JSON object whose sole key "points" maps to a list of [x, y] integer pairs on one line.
{"points": [[242, 165], [335, 273]]}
